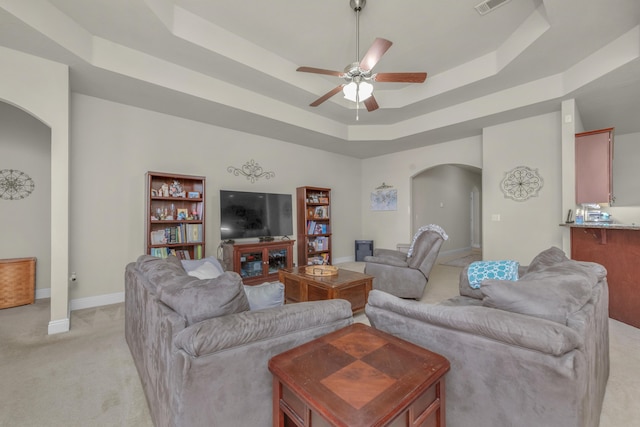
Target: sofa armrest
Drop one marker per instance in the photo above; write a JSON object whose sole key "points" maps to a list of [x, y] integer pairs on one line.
{"points": [[509, 328], [390, 253], [220, 333], [386, 261]]}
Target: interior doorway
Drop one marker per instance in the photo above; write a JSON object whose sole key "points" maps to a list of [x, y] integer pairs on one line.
{"points": [[449, 195]]}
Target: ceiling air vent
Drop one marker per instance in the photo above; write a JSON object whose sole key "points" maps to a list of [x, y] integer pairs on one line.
{"points": [[488, 5]]}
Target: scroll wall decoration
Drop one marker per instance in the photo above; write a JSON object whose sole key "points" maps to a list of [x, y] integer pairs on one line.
{"points": [[520, 183], [252, 170], [15, 185]]}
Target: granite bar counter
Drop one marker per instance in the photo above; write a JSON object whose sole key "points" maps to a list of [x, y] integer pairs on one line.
{"points": [[604, 225], [617, 248]]}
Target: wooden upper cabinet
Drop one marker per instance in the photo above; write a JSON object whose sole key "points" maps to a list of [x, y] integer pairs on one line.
{"points": [[594, 158]]}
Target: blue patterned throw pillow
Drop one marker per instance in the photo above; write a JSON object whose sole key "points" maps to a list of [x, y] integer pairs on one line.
{"points": [[498, 270]]}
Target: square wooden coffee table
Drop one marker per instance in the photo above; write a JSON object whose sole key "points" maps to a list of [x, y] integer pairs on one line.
{"points": [[358, 377], [350, 285]]}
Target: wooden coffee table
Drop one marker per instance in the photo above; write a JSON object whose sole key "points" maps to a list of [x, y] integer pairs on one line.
{"points": [[350, 285], [358, 377]]}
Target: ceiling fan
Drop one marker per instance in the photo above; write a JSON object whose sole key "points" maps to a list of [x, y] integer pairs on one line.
{"points": [[358, 75]]}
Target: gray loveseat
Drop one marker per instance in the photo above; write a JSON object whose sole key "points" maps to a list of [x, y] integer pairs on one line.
{"points": [[201, 354], [534, 352]]}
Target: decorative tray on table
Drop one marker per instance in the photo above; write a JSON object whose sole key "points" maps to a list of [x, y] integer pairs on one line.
{"points": [[321, 270]]}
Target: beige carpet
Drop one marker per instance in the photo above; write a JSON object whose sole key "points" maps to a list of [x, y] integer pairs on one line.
{"points": [[86, 377], [463, 261]]}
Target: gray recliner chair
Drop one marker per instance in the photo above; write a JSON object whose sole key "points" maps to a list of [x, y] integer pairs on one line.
{"points": [[405, 275]]}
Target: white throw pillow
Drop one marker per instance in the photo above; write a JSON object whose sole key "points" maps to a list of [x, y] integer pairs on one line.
{"points": [[205, 271], [192, 264], [266, 295]]}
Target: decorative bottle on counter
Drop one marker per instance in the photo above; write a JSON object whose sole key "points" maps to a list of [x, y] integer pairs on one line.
{"points": [[579, 216]]}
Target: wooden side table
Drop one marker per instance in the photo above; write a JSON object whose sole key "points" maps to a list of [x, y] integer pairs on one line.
{"points": [[358, 377], [349, 285]]}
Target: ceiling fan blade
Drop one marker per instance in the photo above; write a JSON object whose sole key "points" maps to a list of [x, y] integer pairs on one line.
{"points": [[375, 52], [326, 96], [320, 71], [400, 77], [371, 103]]}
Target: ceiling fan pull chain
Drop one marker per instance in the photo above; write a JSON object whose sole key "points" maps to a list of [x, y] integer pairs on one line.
{"points": [[358, 35]]}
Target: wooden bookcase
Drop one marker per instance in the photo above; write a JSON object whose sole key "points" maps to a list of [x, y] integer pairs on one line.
{"points": [[314, 225], [175, 215]]}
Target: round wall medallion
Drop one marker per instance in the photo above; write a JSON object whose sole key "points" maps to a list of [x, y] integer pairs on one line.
{"points": [[15, 185], [520, 183]]}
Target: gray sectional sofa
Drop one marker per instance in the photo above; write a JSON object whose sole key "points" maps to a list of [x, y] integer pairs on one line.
{"points": [[201, 353], [531, 352]]}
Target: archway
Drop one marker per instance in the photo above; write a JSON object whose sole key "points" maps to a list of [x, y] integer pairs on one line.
{"points": [[449, 195], [41, 88]]}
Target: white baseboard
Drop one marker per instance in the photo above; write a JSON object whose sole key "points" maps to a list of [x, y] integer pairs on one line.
{"points": [[58, 326], [344, 259], [97, 301], [43, 293], [88, 302]]}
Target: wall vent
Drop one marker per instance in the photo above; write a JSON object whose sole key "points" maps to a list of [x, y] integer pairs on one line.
{"points": [[489, 5]]}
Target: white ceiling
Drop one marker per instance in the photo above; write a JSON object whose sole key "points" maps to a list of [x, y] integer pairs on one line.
{"points": [[232, 63]]}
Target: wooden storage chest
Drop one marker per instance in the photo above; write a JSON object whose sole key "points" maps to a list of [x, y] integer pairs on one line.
{"points": [[17, 281]]}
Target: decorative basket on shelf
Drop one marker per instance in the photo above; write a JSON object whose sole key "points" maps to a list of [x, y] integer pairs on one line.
{"points": [[321, 270]]}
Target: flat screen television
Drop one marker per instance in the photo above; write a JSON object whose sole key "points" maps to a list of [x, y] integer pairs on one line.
{"points": [[245, 214]]}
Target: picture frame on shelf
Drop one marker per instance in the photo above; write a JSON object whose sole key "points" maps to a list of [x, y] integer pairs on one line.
{"points": [[183, 213], [154, 192], [193, 195]]}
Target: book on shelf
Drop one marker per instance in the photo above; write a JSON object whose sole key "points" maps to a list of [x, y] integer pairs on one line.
{"points": [[317, 244], [158, 237], [159, 252], [314, 227], [171, 235], [194, 233], [320, 259]]}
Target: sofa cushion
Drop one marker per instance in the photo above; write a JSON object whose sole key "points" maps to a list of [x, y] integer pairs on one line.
{"points": [[266, 295], [197, 300], [547, 258], [160, 270], [554, 293], [464, 288], [498, 270]]}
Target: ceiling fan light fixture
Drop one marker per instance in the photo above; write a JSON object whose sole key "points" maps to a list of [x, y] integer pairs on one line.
{"points": [[362, 90], [358, 74]]}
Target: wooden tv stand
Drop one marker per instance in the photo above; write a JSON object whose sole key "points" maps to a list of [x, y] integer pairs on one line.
{"points": [[258, 262]]}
